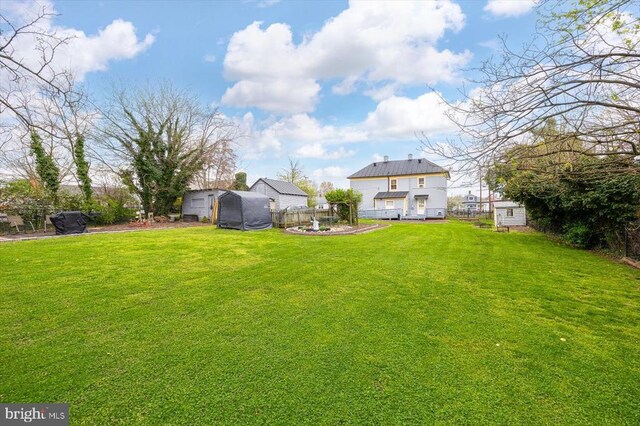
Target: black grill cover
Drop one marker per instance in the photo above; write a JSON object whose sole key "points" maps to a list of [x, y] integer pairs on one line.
{"points": [[70, 223], [244, 210]]}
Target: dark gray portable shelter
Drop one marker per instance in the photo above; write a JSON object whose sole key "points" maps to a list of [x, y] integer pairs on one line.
{"points": [[247, 211]]}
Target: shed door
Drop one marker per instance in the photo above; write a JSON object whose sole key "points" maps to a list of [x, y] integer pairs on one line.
{"points": [[210, 206]]}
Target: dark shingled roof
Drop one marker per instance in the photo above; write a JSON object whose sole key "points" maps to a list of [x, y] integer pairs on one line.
{"points": [[392, 194], [282, 187], [416, 166]]}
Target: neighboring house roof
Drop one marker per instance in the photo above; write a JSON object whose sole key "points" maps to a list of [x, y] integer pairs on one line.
{"points": [[321, 200], [282, 187], [415, 166], [392, 194]]}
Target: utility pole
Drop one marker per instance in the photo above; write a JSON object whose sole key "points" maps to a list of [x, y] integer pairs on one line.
{"points": [[480, 178]]}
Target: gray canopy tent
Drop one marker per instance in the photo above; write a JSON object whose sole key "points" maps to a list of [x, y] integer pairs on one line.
{"points": [[247, 211]]}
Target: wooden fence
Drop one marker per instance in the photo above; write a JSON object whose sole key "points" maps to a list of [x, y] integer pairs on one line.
{"points": [[469, 214], [298, 217]]}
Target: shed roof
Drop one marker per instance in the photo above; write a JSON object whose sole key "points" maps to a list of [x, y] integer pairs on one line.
{"points": [[247, 194], [392, 194], [506, 204], [415, 166], [282, 187], [205, 190]]}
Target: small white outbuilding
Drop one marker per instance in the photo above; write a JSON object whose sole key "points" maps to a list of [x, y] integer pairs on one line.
{"points": [[509, 213]]}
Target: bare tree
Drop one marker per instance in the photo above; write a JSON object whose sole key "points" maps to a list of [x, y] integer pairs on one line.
{"points": [[220, 163], [158, 140], [294, 173], [62, 120], [582, 71], [25, 73], [325, 187]]}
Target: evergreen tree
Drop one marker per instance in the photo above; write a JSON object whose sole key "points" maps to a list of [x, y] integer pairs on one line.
{"points": [[240, 182]]}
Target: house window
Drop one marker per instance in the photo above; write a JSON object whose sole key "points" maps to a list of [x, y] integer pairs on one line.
{"points": [[394, 184], [389, 204], [197, 202], [421, 182], [509, 212]]}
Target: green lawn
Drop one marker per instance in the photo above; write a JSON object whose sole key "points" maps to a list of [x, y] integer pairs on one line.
{"points": [[415, 323]]}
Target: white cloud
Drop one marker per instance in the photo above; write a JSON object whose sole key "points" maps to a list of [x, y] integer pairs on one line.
{"points": [[317, 150], [382, 93], [209, 58], [275, 95], [509, 8], [402, 117], [267, 3], [82, 53], [378, 43], [397, 118], [335, 174], [254, 143]]}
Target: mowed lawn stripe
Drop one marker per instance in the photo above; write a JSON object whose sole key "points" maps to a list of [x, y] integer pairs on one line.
{"points": [[412, 323]]}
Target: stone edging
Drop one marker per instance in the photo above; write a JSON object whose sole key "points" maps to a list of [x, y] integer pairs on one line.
{"points": [[356, 231]]}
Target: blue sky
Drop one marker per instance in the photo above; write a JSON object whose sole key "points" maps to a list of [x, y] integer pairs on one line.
{"points": [[331, 83]]}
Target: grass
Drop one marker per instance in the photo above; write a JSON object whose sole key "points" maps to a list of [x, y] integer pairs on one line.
{"points": [[436, 323]]}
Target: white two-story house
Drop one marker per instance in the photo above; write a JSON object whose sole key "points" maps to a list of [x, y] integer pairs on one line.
{"points": [[471, 202], [411, 188]]}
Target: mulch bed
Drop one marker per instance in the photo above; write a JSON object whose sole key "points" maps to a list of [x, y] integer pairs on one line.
{"points": [[125, 227], [349, 230]]}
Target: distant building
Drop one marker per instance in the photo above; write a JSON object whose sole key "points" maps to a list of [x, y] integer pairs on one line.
{"points": [[470, 202], [321, 203], [473, 203], [281, 194]]}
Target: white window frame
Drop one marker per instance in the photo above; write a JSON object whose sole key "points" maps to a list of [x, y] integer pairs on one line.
{"points": [[197, 203], [386, 204], [393, 184], [509, 212], [421, 185]]}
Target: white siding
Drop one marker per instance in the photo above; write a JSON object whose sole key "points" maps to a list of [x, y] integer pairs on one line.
{"points": [[519, 217], [282, 201], [198, 203], [369, 188], [434, 186]]}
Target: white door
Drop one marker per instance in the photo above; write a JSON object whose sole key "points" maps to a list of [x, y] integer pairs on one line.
{"points": [[422, 203]]}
